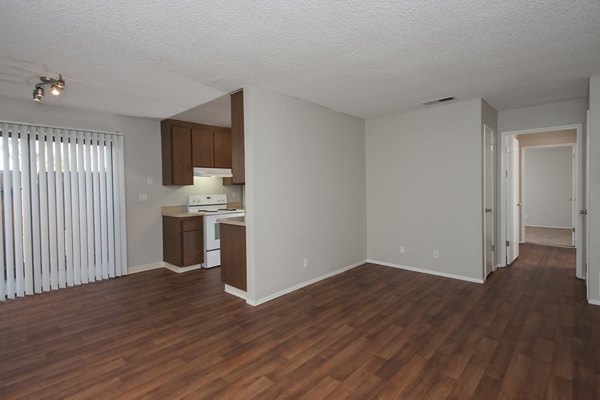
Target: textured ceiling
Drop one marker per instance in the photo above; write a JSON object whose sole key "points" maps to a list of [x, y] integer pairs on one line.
{"points": [[363, 57]]}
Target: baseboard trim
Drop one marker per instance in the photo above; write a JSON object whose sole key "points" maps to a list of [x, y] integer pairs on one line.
{"points": [[303, 284], [236, 292], [145, 267], [181, 270], [594, 302], [427, 271]]}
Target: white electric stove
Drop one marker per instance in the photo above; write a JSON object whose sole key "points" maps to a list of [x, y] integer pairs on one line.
{"points": [[214, 207]]}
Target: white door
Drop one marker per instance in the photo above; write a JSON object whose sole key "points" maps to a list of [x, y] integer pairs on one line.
{"points": [[573, 199], [488, 198], [585, 243], [512, 199], [522, 198]]}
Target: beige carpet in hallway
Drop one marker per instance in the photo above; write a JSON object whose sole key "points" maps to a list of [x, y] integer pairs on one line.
{"points": [[548, 236]]}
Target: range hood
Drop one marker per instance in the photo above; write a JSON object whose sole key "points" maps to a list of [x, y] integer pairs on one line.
{"points": [[213, 172]]}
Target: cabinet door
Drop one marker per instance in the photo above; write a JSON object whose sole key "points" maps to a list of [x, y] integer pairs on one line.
{"points": [[222, 142], [233, 256], [193, 247], [182, 162], [237, 138], [172, 240], [202, 148]]}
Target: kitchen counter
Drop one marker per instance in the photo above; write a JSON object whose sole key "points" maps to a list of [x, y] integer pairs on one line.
{"points": [[238, 221], [178, 212]]}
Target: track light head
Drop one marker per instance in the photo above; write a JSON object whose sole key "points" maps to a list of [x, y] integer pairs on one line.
{"points": [[38, 93], [60, 83], [56, 87]]}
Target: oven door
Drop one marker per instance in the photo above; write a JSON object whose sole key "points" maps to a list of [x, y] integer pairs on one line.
{"points": [[211, 232]]}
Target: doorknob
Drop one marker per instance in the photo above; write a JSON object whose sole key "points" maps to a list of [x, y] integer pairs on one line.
{"points": [[488, 210]]}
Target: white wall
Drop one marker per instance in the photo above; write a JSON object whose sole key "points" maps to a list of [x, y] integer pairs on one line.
{"points": [[547, 115], [548, 186], [594, 189], [424, 189], [142, 161], [305, 191]]}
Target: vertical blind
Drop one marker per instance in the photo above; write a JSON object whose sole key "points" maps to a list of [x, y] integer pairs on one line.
{"points": [[62, 208]]}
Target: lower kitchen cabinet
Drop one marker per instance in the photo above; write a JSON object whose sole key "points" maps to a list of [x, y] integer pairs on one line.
{"points": [[233, 255], [183, 240]]}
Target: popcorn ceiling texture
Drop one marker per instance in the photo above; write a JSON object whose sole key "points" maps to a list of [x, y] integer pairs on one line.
{"points": [[367, 58]]}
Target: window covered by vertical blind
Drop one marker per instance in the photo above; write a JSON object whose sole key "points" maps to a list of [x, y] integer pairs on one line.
{"points": [[62, 208]]}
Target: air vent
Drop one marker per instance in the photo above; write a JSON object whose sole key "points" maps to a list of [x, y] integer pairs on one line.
{"points": [[442, 100]]}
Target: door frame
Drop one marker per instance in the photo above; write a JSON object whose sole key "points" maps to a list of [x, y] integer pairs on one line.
{"points": [[494, 200], [501, 183], [574, 186]]}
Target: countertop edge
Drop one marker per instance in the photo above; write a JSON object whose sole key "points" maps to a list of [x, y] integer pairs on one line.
{"points": [[236, 221]]}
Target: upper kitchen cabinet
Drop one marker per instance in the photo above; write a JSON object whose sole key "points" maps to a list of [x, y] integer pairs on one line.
{"points": [[223, 151], [176, 154], [211, 148], [237, 138], [186, 145]]}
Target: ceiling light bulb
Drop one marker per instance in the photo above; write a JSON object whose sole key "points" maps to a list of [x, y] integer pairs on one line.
{"points": [[38, 94], [55, 90]]}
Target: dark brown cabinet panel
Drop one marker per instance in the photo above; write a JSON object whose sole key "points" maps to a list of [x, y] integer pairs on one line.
{"points": [[233, 255], [183, 240], [222, 149], [237, 138], [193, 247], [176, 154], [202, 148]]}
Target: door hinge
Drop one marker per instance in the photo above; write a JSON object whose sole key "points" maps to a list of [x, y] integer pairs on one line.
{"points": [[507, 243], [493, 247], [506, 174], [573, 230], [492, 148]]}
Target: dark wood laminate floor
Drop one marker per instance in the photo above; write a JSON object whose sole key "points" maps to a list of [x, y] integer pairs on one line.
{"points": [[373, 332]]}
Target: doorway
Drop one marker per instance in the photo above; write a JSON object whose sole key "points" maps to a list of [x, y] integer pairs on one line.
{"points": [[543, 210], [547, 189]]}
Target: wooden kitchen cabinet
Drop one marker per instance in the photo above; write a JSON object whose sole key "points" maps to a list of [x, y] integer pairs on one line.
{"points": [[183, 240], [186, 145], [202, 148], [176, 155], [237, 138], [222, 149], [233, 255], [211, 148]]}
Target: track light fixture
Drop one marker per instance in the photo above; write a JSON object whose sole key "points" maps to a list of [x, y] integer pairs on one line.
{"points": [[56, 87]]}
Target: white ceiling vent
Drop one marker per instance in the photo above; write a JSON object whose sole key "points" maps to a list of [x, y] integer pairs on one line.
{"points": [[442, 100]]}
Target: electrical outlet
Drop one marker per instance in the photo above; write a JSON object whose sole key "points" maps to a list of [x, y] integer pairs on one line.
{"points": [[305, 264], [143, 197], [402, 249], [436, 254]]}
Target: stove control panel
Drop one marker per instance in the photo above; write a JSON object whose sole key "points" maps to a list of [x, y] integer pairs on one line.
{"points": [[207, 199]]}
